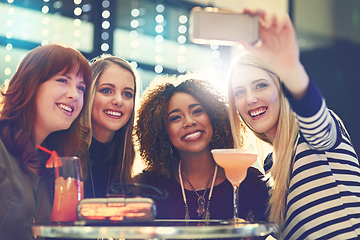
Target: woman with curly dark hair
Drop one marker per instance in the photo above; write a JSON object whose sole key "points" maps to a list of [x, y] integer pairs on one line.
{"points": [[177, 126]]}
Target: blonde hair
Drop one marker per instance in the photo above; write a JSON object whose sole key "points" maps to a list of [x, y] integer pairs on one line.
{"points": [[123, 148], [283, 145]]}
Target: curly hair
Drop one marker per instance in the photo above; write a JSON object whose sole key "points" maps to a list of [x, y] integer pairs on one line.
{"points": [[155, 147]]}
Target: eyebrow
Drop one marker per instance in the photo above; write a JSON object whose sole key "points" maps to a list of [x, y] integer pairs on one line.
{"points": [[178, 110], [68, 77], [257, 80], [129, 88], [113, 86], [252, 82], [107, 84]]}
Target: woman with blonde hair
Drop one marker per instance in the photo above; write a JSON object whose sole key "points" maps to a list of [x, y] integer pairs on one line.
{"points": [[111, 119], [315, 173]]}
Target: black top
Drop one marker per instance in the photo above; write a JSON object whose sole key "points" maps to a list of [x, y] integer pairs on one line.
{"points": [[252, 200], [99, 166]]}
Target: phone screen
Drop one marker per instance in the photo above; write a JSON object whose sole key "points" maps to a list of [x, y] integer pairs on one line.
{"points": [[222, 27]]}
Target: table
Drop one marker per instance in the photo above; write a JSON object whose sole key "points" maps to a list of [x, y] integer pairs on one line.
{"points": [[157, 229]]}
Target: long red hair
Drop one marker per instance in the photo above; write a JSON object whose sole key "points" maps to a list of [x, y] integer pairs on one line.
{"points": [[18, 106]]}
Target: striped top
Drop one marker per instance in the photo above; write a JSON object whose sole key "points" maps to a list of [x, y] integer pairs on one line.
{"points": [[323, 201]]}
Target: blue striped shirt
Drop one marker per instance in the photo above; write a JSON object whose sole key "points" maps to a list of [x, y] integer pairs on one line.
{"points": [[323, 201]]}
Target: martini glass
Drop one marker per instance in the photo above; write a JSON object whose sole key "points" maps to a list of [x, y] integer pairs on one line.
{"points": [[235, 162]]}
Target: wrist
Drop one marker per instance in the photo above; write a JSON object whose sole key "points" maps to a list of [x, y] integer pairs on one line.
{"points": [[296, 80]]}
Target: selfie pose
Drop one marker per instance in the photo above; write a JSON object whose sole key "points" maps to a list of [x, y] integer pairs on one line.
{"points": [[111, 119], [41, 106], [177, 126], [315, 191]]}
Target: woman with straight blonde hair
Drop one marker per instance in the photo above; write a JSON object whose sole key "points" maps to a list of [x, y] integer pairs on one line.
{"points": [[315, 174], [111, 119]]}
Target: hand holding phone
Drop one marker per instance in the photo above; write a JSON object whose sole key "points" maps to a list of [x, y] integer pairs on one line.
{"points": [[222, 27]]}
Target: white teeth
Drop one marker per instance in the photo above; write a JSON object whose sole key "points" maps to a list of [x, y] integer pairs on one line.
{"points": [[257, 112], [116, 114], [66, 108], [192, 135]]}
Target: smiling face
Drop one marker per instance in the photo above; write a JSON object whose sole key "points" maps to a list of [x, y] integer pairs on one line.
{"points": [[113, 102], [188, 124], [59, 101], [256, 99]]}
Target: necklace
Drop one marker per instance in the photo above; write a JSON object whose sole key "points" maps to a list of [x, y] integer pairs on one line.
{"points": [[201, 198], [206, 216], [92, 180]]}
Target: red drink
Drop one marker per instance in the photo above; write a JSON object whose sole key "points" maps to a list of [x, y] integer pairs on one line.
{"points": [[66, 200], [68, 191]]}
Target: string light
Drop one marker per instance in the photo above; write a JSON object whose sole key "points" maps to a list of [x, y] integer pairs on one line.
{"points": [[182, 29], [77, 22], [159, 39], [9, 46], [134, 23], [45, 21], [105, 25]]}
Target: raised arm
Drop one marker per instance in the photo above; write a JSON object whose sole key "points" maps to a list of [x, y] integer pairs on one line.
{"points": [[279, 49]]}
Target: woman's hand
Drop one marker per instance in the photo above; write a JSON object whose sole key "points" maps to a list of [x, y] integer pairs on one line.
{"points": [[279, 49]]}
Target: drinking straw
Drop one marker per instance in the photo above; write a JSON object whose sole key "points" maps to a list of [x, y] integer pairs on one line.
{"points": [[54, 160]]}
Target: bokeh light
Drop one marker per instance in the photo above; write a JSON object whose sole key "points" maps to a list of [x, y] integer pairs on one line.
{"points": [[182, 29], [134, 23], [159, 29], [135, 12], [158, 69], [105, 14], [183, 19], [45, 9], [106, 4], [104, 47], [159, 18], [77, 11], [160, 8], [181, 39], [105, 24]]}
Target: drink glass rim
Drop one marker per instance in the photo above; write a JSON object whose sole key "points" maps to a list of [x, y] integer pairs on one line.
{"points": [[234, 150]]}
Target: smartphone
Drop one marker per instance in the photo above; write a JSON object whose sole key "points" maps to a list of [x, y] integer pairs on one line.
{"points": [[222, 27]]}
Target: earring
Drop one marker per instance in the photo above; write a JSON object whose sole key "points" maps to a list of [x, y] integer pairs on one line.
{"points": [[170, 148]]}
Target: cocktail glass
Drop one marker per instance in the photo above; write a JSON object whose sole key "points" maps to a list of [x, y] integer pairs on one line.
{"points": [[69, 190], [235, 162]]}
